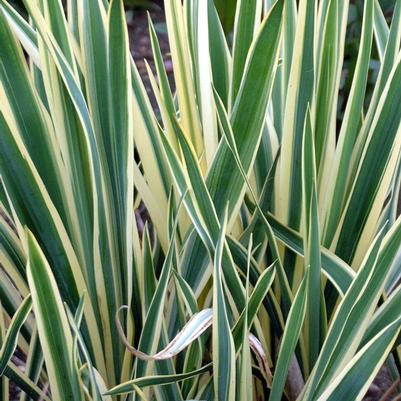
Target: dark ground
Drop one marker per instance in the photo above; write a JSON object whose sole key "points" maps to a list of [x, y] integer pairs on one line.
{"points": [[140, 41]]}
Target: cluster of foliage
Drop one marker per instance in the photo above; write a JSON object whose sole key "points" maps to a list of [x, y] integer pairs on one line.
{"points": [[269, 266]]}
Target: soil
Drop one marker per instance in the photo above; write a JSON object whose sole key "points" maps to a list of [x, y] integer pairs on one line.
{"points": [[140, 42]]}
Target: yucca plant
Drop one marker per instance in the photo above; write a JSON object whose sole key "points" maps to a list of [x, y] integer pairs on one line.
{"points": [[267, 265]]}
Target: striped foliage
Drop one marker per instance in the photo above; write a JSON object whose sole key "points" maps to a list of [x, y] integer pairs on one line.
{"points": [[268, 264]]}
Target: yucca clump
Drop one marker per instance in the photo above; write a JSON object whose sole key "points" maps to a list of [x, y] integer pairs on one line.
{"points": [[269, 267]]}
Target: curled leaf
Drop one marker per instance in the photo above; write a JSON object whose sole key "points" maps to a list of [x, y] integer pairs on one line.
{"points": [[195, 327], [257, 348]]}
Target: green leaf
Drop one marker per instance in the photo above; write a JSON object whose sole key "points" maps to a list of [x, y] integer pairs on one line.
{"points": [[349, 129], [121, 151], [312, 261], [339, 272], [327, 86], [153, 328], [289, 341], [25, 33], [10, 341], [301, 79], [54, 333], [34, 362], [223, 344], [354, 312], [185, 85], [200, 206], [375, 168], [381, 28], [224, 179], [220, 56], [156, 380], [247, 19], [254, 301], [355, 379], [23, 104], [245, 388], [25, 383], [229, 136]]}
